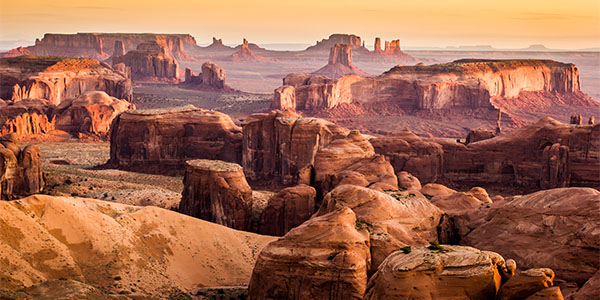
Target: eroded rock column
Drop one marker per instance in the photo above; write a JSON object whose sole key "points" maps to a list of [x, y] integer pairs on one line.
{"points": [[217, 191]]}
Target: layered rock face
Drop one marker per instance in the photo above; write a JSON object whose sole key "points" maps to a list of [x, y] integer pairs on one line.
{"points": [[287, 209], [340, 63], [150, 61], [212, 78], [551, 228], [26, 117], [217, 191], [284, 98], [282, 145], [20, 169], [245, 54], [119, 49], [160, 141], [452, 272], [542, 155], [390, 52], [464, 84], [352, 160], [100, 46], [57, 78], [90, 113], [326, 257]]}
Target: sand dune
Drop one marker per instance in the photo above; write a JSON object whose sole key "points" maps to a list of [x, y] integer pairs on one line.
{"points": [[119, 248]]}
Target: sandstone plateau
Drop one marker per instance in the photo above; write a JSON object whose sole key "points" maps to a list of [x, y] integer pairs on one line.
{"points": [[150, 62], [544, 155], [160, 141], [111, 246], [481, 86], [58, 78], [100, 46]]}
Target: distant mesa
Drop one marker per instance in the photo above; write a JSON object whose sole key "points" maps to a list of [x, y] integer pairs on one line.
{"points": [[212, 79], [217, 44], [352, 40], [150, 62], [246, 54], [340, 63], [100, 46]]}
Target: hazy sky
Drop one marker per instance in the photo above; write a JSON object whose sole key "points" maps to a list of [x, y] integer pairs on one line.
{"points": [[568, 24]]}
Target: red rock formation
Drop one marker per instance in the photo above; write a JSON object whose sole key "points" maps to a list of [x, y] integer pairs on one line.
{"points": [[424, 273], [352, 160], [526, 283], [326, 44], [20, 169], [340, 63], [100, 46], [282, 145], [58, 78], [479, 134], [160, 141], [590, 289], [90, 113], [551, 228], [466, 84], [119, 49], [284, 98], [150, 62], [217, 45], [287, 209], [217, 191], [327, 257], [26, 118], [393, 220], [245, 54], [212, 78], [542, 155]]}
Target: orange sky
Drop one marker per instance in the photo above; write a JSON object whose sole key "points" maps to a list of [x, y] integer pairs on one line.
{"points": [[569, 24]]}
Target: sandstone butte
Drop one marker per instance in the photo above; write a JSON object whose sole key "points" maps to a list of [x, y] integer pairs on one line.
{"points": [[488, 86], [340, 63], [111, 246], [101, 46], [542, 155], [246, 54], [58, 78], [150, 61], [212, 78], [163, 139]]}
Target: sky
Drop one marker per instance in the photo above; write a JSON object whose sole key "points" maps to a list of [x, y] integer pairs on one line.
{"points": [[572, 24]]}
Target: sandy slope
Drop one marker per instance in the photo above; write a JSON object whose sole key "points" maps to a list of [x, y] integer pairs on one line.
{"points": [[119, 248]]}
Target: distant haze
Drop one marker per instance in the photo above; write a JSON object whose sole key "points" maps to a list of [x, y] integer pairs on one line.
{"points": [[557, 24]]}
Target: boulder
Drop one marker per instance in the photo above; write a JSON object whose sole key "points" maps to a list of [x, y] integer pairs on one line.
{"points": [[590, 289], [287, 209], [327, 257], [393, 220], [217, 191], [436, 189], [525, 284], [476, 135], [551, 293], [458, 202], [445, 272], [408, 181], [160, 141]]}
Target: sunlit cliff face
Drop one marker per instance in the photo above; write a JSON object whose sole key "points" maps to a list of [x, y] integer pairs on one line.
{"points": [[509, 23]]}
